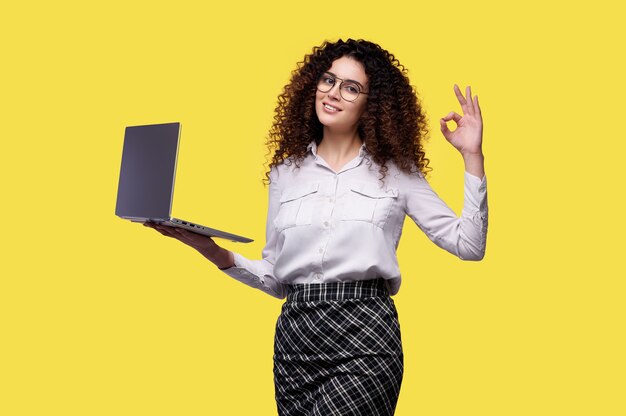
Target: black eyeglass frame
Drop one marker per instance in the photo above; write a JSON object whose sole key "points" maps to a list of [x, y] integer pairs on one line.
{"points": [[331, 75]]}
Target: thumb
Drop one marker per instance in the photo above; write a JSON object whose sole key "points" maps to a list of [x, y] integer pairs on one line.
{"points": [[444, 127]]}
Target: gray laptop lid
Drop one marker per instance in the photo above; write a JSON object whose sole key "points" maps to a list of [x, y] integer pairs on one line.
{"points": [[146, 183]]}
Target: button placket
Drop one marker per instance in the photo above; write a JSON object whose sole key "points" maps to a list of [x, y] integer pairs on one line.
{"points": [[326, 225]]}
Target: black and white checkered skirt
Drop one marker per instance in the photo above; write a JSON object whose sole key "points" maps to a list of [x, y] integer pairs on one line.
{"points": [[337, 350]]}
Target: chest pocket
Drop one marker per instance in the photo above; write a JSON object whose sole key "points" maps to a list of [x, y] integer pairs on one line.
{"points": [[296, 206], [367, 202]]}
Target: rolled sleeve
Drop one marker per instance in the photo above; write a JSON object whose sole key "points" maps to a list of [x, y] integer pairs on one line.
{"points": [[475, 208], [260, 273], [463, 236]]}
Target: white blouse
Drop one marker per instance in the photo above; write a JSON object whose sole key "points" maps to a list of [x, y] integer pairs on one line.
{"points": [[326, 226]]}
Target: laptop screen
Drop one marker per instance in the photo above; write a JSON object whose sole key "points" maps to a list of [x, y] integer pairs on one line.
{"points": [[148, 170]]}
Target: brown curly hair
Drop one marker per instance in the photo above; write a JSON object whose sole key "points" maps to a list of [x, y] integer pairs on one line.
{"points": [[393, 126]]}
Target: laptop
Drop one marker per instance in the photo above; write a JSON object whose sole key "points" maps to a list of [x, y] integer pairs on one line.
{"points": [[146, 186]]}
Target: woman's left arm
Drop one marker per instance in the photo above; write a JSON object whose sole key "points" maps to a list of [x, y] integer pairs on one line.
{"points": [[467, 138], [464, 236]]}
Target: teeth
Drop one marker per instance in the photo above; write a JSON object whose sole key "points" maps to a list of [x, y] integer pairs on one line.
{"points": [[330, 108]]}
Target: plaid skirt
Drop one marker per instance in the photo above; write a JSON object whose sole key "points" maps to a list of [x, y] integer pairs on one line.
{"points": [[338, 350]]}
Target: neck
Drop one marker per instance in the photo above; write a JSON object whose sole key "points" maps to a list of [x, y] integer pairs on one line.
{"points": [[337, 146]]}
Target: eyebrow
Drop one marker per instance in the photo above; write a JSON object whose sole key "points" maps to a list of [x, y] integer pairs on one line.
{"points": [[351, 80]]}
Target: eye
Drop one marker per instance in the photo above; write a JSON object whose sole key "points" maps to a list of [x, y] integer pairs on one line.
{"points": [[328, 80], [352, 88]]}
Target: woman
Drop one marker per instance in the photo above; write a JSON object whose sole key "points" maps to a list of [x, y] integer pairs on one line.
{"points": [[348, 166]]}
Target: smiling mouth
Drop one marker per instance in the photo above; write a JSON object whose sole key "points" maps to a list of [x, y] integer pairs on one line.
{"points": [[330, 107]]}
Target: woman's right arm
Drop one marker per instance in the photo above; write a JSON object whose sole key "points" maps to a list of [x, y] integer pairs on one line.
{"points": [[255, 273], [219, 256]]}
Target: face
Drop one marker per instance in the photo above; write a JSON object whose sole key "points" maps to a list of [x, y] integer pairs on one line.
{"points": [[335, 112]]}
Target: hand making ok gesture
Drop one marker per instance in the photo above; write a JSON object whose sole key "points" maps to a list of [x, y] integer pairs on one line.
{"points": [[468, 136]]}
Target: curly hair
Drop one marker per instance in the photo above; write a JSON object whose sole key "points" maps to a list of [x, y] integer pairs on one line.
{"points": [[393, 127]]}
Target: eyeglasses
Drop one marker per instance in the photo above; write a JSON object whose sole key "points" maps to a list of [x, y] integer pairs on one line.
{"points": [[348, 89]]}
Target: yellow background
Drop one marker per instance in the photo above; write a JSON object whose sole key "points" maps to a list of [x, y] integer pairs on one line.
{"points": [[100, 316]]}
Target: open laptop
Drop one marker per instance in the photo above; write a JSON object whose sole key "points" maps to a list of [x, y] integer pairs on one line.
{"points": [[146, 187]]}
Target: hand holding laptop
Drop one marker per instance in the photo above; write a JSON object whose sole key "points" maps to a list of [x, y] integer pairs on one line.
{"points": [[221, 257], [146, 185]]}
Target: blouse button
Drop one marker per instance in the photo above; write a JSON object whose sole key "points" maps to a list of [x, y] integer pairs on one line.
{"points": [[318, 275], [325, 223]]}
